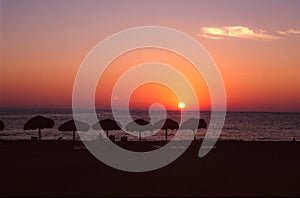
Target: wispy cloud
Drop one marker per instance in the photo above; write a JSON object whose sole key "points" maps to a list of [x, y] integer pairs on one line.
{"points": [[242, 32], [289, 31], [208, 36]]}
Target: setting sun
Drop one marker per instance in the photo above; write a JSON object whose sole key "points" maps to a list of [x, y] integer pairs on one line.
{"points": [[181, 105]]}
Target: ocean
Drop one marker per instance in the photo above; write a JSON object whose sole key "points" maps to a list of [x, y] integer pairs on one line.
{"points": [[246, 126]]}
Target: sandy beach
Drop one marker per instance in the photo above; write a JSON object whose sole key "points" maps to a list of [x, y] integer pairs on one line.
{"points": [[51, 168]]}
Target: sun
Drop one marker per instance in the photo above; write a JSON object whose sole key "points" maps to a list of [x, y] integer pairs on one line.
{"points": [[181, 105]]}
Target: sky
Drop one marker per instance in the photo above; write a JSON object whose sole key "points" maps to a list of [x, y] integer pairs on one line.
{"points": [[255, 45]]}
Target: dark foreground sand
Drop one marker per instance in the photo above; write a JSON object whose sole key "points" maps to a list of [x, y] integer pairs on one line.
{"points": [[51, 168]]}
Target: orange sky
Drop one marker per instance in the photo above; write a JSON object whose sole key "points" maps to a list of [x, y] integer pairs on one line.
{"points": [[256, 47], [151, 93]]}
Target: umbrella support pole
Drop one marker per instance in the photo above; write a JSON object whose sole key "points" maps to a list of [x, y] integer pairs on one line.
{"points": [[140, 137], [39, 133], [166, 135], [74, 136]]}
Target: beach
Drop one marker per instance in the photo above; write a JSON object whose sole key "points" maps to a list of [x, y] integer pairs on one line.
{"points": [[233, 168], [77, 77]]}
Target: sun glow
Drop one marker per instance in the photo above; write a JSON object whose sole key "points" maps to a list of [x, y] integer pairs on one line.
{"points": [[181, 105]]}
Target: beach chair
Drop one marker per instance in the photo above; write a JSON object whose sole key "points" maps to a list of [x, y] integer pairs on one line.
{"points": [[112, 138], [124, 139], [33, 138], [58, 139]]}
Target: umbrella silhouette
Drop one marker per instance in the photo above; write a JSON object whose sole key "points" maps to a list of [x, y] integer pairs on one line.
{"points": [[74, 125], [139, 125], [1, 125], [107, 125], [39, 122], [165, 125], [194, 124]]}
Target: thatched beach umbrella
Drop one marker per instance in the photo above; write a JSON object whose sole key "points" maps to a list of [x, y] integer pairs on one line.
{"points": [[165, 125], [39, 122], [107, 125], [1, 125], [139, 125], [74, 125], [194, 124]]}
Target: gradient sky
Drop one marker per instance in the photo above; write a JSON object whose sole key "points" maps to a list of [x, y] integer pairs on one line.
{"points": [[255, 43]]}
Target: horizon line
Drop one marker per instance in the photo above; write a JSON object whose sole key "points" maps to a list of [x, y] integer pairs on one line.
{"points": [[170, 110]]}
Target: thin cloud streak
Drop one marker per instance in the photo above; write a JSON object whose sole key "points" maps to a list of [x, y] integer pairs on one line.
{"points": [[209, 36], [289, 31], [242, 32]]}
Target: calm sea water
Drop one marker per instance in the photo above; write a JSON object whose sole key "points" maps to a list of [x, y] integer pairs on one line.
{"points": [[247, 126]]}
